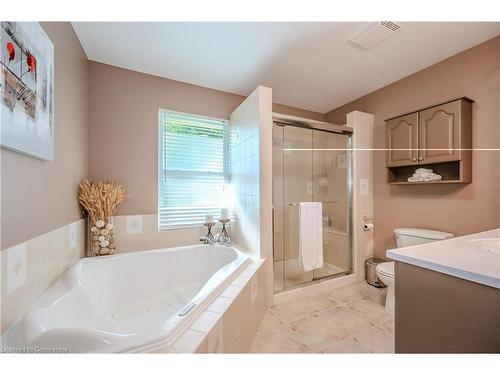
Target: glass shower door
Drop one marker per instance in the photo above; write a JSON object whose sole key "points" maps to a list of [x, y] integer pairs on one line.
{"points": [[305, 175], [297, 187], [330, 170]]}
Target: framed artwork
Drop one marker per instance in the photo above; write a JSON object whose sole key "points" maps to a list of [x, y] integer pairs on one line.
{"points": [[27, 89]]}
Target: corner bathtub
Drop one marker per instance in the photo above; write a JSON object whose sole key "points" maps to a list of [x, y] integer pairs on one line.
{"points": [[129, 302]]}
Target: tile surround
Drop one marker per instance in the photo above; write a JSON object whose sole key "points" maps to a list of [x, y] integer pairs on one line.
{"points": [[220, 305], [134, 224], [251, 176], [229, 323], [215, 340], [231, 291], [16, 267], [244, 172], [140, 232], [30, 268], [206, 321]]}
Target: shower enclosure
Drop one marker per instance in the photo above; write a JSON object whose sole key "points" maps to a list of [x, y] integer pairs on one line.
{"points": [[311, 163]]}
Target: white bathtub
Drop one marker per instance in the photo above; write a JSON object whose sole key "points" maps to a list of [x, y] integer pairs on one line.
{"points": [[127, 302]]}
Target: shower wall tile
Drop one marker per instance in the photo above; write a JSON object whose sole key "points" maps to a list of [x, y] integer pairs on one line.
{"points": [[340, 254], [245, 172], [30, 268], [251, 177]]}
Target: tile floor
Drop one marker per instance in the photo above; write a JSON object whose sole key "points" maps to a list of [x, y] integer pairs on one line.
{"points": [[349, 319]]}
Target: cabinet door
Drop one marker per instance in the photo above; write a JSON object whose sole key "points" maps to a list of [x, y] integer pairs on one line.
{"points": [[439, 133], [402, 140]]}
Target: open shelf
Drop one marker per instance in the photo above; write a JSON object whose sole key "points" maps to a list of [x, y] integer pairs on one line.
{"points": [[453, 172]]}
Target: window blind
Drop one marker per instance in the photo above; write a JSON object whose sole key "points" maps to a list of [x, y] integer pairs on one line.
{"points": [[193, 169]]}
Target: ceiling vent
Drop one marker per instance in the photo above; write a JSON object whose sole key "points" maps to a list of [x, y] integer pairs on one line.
{"points": [[374, 33]]}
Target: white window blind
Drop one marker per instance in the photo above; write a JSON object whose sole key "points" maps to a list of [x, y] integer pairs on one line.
{"points": [[193, 169]]}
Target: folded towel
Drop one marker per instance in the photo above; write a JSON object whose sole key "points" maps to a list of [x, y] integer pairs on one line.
{"points": [[310, 235], [425, 177], [424, 170]]}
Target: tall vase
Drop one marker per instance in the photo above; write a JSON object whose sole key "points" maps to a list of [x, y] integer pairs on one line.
{"points": [[101, 237]]}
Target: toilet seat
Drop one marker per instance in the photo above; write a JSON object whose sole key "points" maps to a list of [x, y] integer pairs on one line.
{"points": [[386, 269]]}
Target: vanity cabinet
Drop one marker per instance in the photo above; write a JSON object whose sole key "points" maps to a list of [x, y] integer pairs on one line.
{"points": [[439, 313], [439, 137]]}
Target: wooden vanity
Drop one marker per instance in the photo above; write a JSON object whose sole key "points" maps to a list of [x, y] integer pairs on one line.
{"points": [[438, 137], [448, 295]]}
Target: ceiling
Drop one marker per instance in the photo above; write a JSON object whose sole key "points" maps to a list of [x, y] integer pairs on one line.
{"points": [[308, 65]]}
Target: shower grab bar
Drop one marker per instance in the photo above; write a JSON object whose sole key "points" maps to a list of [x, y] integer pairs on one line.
{"points": [[329, 202]]}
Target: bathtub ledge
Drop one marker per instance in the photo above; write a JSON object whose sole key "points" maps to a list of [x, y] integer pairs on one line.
{"points": [[195, 339]]}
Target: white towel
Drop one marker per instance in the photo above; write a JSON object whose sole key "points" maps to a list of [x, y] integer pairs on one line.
{"points": [[424, 170], [424, 176], [310, 235]]}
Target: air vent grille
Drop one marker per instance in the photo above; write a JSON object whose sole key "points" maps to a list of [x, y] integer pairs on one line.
{"points": [[374, 33]]}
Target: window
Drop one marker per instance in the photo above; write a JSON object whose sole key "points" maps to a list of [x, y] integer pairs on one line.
{"points": [[193, 169]]}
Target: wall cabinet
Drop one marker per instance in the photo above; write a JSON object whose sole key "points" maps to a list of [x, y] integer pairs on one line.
{"points": [[402, 140], [439, 137]]}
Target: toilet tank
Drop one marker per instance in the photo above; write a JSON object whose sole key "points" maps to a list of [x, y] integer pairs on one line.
{"points": [[416, 236]]}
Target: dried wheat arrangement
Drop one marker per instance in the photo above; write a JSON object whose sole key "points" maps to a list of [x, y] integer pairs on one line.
{"points": [[100, 200]]}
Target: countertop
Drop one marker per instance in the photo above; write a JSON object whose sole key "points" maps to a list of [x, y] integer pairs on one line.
{"points": [[475, 257]]}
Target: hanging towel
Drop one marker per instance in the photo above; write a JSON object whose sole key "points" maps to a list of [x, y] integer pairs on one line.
{"points": [[310, 235]]}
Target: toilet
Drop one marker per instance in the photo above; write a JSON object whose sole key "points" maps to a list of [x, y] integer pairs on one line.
{"points": [[405, 237]]}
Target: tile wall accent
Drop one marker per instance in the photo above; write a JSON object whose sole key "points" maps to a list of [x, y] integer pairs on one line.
{"points": [[140, 232], [362, 123], [30, 268]]}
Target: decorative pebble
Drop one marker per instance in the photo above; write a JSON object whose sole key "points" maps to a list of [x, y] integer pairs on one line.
{"points": [[104, 231], [99, 223], [101, 238], [104, 243], [93, 229], [104, 251], [109, 226]]}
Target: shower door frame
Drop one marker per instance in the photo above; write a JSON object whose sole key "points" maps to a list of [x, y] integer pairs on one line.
{"points": [[285, 120]]}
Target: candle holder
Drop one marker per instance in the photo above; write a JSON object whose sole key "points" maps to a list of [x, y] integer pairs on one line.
{"points": [[209, 237], [225, 236]]}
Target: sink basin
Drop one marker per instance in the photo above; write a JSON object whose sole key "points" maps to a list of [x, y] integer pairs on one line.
{"points": [[491, 245]]}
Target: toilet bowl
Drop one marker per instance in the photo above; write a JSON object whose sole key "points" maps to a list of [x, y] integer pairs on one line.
{"points": [[405, 237], [385, 272]]}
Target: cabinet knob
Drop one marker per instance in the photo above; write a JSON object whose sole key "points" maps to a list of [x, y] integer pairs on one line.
{"points": [[413, 159], [420, 158]]}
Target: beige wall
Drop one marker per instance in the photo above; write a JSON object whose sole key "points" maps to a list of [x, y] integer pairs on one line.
{"points": [[123, 125], [363, 127], [39, 196], [460, 209]]}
